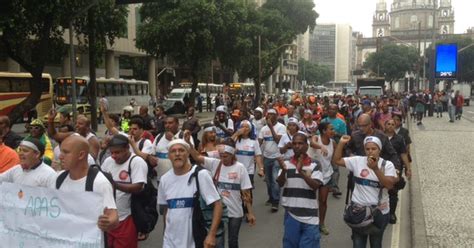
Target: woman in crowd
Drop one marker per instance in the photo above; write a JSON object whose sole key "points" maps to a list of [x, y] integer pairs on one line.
{"points": [[307, 125], [208, 145], [373, 177], [233, 183], [325, 146], [399, 145]]}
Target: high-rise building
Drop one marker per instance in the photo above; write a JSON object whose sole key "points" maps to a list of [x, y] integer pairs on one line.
{"points": [[332, 45]]}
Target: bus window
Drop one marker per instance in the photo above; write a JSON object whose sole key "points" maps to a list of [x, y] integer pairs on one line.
{"points": [[101, 90], [140, 89], [4, 85], [109, 89], [135, 89], [146, 89], [21, 85], [129, 89], [121, 89]]}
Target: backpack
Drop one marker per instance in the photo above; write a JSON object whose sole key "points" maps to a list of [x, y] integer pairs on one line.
{"points": [[143, 205], [91, 175], [202, 214], [151, 171]]}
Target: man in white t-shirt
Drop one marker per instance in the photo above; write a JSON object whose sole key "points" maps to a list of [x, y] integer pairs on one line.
{"points": [[31, 171], [268, 138], [285, 144], [258, 121], [130, 175], [160, 144], [224, 125], [175, 195], [138, 144], [73, 157]]}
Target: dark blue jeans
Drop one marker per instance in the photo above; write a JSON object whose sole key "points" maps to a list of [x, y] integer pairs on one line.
{"points": [[233, 228], [300, 235], [271, 173], [359, 239]]}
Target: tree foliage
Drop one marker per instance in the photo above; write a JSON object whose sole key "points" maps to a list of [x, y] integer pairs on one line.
{"points": [[32, 34], [392, 61], [314, 74], [194, 32]]}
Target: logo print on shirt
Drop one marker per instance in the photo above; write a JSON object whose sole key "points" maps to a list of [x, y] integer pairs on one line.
{"points": [[364, 173], [123, 175], [232, 175], [180, 203]]}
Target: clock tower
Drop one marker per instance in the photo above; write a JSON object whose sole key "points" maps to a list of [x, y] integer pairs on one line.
{"points": [[381, 20], [445, 17]]}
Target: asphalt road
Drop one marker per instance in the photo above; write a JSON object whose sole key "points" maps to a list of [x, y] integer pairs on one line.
{"points": [[268, 231]]}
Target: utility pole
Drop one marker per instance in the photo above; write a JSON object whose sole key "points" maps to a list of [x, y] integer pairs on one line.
{"points": [[419, 52], [432, 81], [258, 88]]}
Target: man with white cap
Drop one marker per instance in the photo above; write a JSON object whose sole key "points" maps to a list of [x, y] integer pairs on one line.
{"points": [[175, 195], [269, 137], [373, 177], [285, 144], [31, 171], [258, 121], [224, 125]]}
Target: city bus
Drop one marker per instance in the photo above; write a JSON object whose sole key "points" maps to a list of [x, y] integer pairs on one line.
{"points": [[119, 92], [15, 87]]}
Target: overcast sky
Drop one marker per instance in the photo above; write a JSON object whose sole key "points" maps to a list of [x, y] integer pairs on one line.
{"points": [[358, 13]]}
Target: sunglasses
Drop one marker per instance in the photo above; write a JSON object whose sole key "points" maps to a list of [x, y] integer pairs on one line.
{"points": [[34, 127]]}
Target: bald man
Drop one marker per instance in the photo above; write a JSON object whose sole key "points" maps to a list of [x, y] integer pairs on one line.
{"points": [[82, 127], [73, 157]]}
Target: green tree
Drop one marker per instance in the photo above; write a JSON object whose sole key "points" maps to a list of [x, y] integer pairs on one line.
{"points": [[32, 34], [392, 61], [182, 30], [314, 74], [276, 23]]}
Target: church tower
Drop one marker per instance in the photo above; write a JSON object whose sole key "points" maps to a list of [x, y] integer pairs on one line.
{"points": [[445, 17], [381, 20]]}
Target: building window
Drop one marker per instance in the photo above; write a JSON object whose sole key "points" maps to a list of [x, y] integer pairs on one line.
{"points": [[397, 22], [430, 21]]}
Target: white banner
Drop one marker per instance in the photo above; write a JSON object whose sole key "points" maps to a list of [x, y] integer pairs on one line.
{"points": [[42, 217]]}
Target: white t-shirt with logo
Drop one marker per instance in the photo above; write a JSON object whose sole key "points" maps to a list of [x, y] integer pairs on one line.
{"points": [[120, 174], [230, 125], [175, 192], [258, 124], [285, 139], [161, 152], [232, 179], [246, 150], [364, 194], [147, 146], [41, 176], [269, 146]]}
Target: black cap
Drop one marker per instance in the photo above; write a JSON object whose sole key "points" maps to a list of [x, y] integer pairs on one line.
{"points": [[118, 140]]}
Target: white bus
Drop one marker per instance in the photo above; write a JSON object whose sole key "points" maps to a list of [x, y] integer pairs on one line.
{"points": [[119, 92]]}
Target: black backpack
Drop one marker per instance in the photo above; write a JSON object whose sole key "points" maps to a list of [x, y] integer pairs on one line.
{"points": [[91, 175], [143, 205]]}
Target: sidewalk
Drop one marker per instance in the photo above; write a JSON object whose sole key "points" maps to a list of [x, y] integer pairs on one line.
{"points": [[442, 188]]}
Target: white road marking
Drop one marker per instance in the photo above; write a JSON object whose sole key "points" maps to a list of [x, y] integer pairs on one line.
{"points": [[396, 226]]}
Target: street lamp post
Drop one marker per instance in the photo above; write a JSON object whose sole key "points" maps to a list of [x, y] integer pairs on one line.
{"points": [[280, 62], [72, 59]]}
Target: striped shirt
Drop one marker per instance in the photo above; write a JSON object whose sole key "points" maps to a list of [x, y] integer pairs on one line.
{"points": [[298, 198]]}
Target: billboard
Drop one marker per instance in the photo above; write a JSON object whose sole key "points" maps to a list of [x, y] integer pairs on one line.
{"points": [[446, 61]]}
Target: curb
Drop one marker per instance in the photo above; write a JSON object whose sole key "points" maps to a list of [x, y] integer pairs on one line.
{"points": [[417, 216]]}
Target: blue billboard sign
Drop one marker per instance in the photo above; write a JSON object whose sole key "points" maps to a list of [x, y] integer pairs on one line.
{"points": [[446, 60]]}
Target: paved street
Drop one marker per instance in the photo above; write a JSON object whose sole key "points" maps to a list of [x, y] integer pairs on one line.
{"points": [[443, 155]]}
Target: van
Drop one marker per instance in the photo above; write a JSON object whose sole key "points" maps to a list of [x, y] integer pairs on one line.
{"points": [[176, 97]]}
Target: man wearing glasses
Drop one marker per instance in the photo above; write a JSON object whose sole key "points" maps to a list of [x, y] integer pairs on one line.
{"points": [[37, 130]]}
